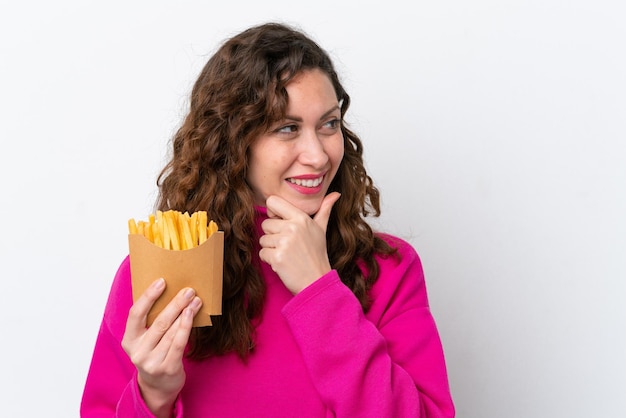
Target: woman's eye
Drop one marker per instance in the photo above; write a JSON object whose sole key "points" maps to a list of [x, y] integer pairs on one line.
{"points": [[332, 124], [287, 129]]}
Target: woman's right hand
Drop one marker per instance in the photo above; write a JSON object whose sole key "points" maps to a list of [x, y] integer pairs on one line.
{"points": [[158, 351]]}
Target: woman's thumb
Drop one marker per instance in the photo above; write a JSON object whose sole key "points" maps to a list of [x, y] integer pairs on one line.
{"points": [[322, 215]]}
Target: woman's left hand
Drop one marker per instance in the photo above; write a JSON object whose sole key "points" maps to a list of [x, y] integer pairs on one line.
{"points": [[294, 244]]}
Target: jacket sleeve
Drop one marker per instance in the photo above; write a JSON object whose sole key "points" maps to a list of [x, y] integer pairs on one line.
{"points": [[111, 388], [388, 363]]}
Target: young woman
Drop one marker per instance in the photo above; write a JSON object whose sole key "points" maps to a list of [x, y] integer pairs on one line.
{"points": [[321, 316]]}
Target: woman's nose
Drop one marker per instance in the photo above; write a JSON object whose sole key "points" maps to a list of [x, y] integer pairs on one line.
{"points": [[312, 151]]}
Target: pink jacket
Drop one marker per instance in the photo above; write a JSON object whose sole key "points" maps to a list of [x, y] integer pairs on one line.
{"points": [[316, 355]]}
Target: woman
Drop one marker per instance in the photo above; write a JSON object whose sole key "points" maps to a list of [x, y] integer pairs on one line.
{"points": [[321, 316]]}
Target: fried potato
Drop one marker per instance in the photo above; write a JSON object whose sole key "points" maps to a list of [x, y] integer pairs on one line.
{"points": [[173, 230]]}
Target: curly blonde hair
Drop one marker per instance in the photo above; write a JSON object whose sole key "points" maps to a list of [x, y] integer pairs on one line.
{"points": [[239, 93]]}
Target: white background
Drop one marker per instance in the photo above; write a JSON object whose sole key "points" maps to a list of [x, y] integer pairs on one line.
{"points": [[495, 130]]}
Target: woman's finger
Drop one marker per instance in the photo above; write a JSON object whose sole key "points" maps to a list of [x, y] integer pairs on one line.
{"points": [[323, 214], [265, 254], [180, 337], [272, 225], [280, 208], [168, 352], [168, 315], [162, 348], [269, 241], [138, 314]]}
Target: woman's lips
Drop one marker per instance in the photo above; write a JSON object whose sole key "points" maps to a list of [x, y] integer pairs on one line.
{"points": [[307, 184]]}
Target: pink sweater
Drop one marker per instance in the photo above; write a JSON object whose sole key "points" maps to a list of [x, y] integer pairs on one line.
{"points": [[316, 355]]}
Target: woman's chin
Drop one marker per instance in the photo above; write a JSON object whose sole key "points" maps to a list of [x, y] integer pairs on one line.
{"points": [[310, 207]]}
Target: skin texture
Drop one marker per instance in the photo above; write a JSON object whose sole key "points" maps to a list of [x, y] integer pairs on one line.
{"points": [[157, 352], [307, 143]]}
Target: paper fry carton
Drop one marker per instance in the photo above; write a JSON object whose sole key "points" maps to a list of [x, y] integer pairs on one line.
{"points": [[200, 268]]}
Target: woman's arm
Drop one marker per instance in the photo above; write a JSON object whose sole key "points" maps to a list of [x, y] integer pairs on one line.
{"points": [[389, 363], [112, 388]]}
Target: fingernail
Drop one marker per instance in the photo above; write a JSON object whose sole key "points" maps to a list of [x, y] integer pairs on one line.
{"points": [[189, 293], [195, 304], [159, 284]]}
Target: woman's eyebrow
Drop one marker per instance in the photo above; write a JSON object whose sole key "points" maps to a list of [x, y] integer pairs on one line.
{"points": [[324, 116]]}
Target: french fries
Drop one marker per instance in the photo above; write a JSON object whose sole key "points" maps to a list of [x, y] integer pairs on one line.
{"points": [[173, 230]]}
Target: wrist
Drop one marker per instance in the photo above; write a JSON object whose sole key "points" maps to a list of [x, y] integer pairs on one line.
{"points": [[160, 403]]}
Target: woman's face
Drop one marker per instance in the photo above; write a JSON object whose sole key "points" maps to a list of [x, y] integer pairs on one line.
{"points": [[299, 156]]}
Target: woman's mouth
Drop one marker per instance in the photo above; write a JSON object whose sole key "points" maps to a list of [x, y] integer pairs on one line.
{"points": [[306, 182]]}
